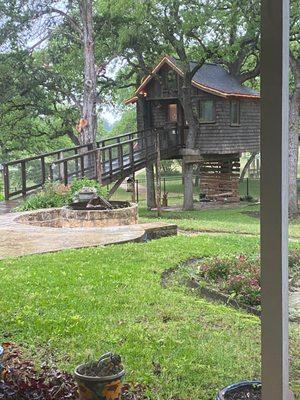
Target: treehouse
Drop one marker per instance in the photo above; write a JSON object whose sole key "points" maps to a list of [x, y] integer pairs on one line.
{"points": [[228, 120]]}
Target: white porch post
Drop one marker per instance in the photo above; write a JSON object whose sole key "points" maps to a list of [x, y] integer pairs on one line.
{"points": [[274, 198]]}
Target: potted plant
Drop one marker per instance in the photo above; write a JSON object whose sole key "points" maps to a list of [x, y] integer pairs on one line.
{"points": [[102, 379], [250, 390], [85, 194]]}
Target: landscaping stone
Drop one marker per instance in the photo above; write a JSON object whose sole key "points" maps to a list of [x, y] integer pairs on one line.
{"points": [[68, 218], [19, 239]]}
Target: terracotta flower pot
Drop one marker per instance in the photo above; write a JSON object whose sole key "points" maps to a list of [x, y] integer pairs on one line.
{"points": [[98, 388]]}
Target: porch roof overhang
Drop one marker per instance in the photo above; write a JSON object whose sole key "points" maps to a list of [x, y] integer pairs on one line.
{"points": [[168, 60]]}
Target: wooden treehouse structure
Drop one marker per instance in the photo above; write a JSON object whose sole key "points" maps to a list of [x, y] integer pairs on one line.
{"points": [[229, 124], [228, 120]]}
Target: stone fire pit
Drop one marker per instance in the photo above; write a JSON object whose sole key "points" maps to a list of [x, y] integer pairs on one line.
{"points": [[123, 213]]}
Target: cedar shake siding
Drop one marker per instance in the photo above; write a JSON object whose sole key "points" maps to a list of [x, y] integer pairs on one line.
{"points": [[211, 82]]}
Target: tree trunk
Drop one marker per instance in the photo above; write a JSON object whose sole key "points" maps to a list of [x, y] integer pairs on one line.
{"points": [[294, 139], [247, 166], [188, 203], [88, 128], [190, 141], [151, 202]]}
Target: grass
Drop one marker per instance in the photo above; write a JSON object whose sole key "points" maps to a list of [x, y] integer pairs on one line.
{"points": [[80, 304], [226, 220]]}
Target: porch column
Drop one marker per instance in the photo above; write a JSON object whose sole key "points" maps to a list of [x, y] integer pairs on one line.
{"points": [[274, 198]]}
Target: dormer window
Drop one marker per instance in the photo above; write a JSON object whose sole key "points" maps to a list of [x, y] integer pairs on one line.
{"points": [[207, 112], [235, 113]]}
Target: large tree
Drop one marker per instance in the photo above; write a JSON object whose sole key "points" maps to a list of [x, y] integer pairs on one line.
{"points": [[294, 123], [55, 45]]}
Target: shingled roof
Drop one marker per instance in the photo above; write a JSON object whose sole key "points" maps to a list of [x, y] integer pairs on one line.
{"points": [[211, 78]]}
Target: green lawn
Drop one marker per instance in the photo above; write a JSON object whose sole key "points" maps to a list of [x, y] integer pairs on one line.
{"points": [[232, 220], [79, 304]]}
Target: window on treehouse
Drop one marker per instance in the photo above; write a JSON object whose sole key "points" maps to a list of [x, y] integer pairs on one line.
{"points": [[235, 113], [172, 112], [171, 81], [207, 111]]}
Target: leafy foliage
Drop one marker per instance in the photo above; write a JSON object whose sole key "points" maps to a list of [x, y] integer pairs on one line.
{"points": [[239, 276], [58, 195], [21, 381], [78, 184]]}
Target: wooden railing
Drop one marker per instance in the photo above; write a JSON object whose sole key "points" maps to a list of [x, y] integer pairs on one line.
{"points": [[107, 160]]}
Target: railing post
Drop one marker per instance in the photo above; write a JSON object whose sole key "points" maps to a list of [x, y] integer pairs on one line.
{"points": [[60, 156], [131, 157], [66, 180], [43, 170], [110, 163], [137, 190], [76, 163], [82, 166], [51, 175], [6, 181], [99, 166], [23, 176], [121, 157]]}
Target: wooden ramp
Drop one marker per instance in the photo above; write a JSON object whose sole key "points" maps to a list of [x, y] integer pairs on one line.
{"points": [[108, 160]]}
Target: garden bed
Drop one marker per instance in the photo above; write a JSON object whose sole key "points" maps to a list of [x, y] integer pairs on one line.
{"points": [[232, 280]]}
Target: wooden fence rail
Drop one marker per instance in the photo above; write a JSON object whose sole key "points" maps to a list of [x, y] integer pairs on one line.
{"points": [[109, 160]]}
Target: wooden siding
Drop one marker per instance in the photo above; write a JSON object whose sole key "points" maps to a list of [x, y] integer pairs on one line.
{"points": [[213, 138]]}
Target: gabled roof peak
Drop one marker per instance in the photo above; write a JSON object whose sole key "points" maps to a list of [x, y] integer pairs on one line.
{"points": [[211, 77]]}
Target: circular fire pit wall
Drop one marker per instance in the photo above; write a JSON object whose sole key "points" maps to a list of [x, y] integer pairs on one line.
{"points": [[123, 213]]}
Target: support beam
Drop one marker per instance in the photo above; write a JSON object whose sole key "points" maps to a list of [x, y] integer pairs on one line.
{"points": [[115, 187], [274, 198]]}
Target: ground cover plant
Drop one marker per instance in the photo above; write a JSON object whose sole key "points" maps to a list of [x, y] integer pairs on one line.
{"points": [[78, 304], [236, 276], [58, 195], [20, 379]]}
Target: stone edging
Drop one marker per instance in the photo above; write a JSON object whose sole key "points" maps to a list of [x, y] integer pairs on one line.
{"points": [[212, 294], [68, 218]]}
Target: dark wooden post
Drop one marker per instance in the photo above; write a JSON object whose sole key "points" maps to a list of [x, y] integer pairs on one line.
{"points": [[131, 156], [99, 166], [121, 157], [133, 194], [23, 175], [65, 165], [110, 163], [76, 163], [43, 169], [6, 181], [158, 174], [82, 166]]}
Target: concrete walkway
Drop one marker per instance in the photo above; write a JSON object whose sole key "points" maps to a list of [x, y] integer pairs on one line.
{"points": [[19, 239]]}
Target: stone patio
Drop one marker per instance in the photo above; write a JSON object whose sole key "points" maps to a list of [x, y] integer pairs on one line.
{"points": [[19, 239]]}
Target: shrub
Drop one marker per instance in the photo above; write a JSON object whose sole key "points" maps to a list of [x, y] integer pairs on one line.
{"points": [[52, 195], [78, 184], [239, 277], [58, 195]]}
